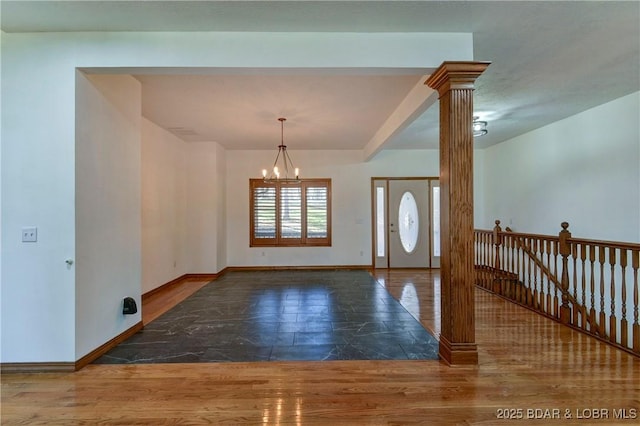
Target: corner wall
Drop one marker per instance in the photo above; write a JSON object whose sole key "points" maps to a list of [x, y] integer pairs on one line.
{"points": [[584, 169], [164, 206], [108, 240], [205, 207]]}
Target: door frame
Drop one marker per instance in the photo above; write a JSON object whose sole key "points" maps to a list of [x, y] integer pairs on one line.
{"points": [[429, 180]]}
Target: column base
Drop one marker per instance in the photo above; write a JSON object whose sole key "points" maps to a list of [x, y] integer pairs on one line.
{"points": [[458, 353]]}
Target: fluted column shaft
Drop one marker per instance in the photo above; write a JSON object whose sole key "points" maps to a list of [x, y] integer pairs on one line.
{"points": [[454, 82]]}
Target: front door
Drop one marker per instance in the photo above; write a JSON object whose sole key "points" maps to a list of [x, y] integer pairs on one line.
{"points": [[409, 223], [403, 232]]}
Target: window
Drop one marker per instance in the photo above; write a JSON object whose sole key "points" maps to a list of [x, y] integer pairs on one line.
{"points": [[290, 214]]}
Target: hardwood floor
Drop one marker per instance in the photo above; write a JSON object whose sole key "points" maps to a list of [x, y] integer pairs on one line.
{"points": [[529, 367], [159, 303]]}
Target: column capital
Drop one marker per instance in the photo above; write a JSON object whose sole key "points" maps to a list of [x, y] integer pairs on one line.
{"points": [[456, 75]]}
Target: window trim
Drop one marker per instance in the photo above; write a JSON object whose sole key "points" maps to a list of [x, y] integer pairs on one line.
{"points": [[278, 241]]}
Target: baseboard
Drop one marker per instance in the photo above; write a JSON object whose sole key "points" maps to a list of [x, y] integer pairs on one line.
{"points": [[37, 367], [180, 280], [302, 268], [203, 277], [102, 349]]}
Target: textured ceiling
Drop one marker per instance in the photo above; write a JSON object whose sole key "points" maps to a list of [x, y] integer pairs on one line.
{"points": [[549, 60]]}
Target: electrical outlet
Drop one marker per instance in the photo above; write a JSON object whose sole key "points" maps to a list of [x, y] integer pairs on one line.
{"points": [[29, 234]]}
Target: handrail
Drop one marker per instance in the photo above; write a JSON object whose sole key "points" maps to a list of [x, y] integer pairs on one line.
{"points": [[547, 272], [590, 285], [617, 244]]}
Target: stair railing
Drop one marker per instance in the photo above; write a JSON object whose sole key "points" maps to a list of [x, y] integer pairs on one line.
{"points": [[588, 285]]}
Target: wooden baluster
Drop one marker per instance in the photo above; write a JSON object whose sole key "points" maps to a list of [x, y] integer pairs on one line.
{"points": [[486, 243], [635, 264], [519, 266], [526, 285], [526, 290], [583, 258], [613, 322], [488, 260], [602, 325], [624, 337], [482, 256], [483, 259], [548, 248], [476, 246], [565, 251], [574, 257], [486, 254], [497, 242], [510, 256], [556, 308], [536, 249], [521, 297], [481, 249], [592, 282]]}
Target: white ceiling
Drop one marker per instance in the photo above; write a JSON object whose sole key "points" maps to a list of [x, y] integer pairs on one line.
{"points": [[550, 60], [240, 111]]}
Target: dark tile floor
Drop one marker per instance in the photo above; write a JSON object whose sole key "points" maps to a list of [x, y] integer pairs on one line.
{"points": [[281, 315]]}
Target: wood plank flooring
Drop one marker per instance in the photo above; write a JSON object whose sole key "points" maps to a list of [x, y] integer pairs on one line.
{"points": [[159, 303], [529, 367]]}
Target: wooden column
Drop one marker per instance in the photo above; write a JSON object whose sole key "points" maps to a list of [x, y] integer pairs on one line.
{"points": [[454, 82]]}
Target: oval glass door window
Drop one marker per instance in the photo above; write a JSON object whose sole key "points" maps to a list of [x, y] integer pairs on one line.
{"points": [[408, 222]]}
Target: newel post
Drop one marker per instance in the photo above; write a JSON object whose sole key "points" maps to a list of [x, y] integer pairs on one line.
{"points": [[454, 82], [565, 252]]}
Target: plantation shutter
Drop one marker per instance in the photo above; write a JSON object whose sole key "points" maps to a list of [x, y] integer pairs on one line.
{"points": [[264, 213], [291, 211], [317, 212]]}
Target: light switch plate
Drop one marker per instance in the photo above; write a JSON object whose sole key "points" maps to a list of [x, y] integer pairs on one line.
{"points": [[29, 234]]}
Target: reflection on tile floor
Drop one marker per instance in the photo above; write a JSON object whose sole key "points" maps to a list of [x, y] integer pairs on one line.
{"points": [[281, 315]]}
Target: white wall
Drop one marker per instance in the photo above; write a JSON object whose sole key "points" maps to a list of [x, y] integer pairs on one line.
{"points": [[351, 202], [38, 145], [38, 189], [183, 207], [107, 207], [221, 208], [584, 170], [206, 207], [164, 206]]}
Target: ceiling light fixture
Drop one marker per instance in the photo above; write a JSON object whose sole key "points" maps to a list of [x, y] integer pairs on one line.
{"points": [[283, 171], [479, 127]]}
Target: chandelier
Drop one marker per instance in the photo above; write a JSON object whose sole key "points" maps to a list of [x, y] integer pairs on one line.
{"points": [[283, 169], [479, 127]]}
